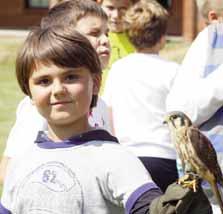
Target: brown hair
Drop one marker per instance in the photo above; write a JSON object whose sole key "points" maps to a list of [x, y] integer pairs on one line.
{"points": [[68, 12], [63, 47], [147, 22]]}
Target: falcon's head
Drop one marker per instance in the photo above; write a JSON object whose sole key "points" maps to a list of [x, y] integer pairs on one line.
{"points": [[177, 120]]}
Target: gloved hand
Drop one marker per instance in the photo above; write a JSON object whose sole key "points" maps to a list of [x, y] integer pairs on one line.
{"points": [[179, 200]]}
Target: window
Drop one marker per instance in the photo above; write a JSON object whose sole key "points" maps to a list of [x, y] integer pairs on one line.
{"points": [[37, 3], [165, 3]]}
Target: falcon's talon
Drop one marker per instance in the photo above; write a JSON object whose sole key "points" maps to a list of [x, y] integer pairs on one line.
{"points": [[187, 182], [192, 185], [184, 178]]}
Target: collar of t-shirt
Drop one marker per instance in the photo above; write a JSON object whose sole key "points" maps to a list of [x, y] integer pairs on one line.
{"points": [[95, 135]]}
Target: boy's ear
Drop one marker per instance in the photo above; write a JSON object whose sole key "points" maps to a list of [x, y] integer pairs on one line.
{"points": [[212, 16], [97, 83]]}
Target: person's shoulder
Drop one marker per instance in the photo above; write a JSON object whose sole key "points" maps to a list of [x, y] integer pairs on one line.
{"points": [[120, 66], [105, 139], [130, 58], [204, 35], [24, 105], [26, 111], [214, 27], [111, 149], [215, 32], [121, 40], [101, 103], [170, 63]]}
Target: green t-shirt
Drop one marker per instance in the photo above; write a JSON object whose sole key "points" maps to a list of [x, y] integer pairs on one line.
{"points": [[120, 47]]}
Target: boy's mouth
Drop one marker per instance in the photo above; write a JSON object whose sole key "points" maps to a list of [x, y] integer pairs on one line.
{"points": [[60, 103], [104, 53]]}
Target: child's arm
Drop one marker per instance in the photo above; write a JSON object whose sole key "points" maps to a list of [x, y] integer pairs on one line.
{"points": [[127, 183], [176, 199], [181, 200]]}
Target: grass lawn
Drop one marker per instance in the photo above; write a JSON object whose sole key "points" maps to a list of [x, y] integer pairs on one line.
{"points": [[174, 50], [10, 93]]}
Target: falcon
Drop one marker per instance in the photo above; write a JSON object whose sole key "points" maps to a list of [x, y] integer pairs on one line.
{"points": [[198, 156]]}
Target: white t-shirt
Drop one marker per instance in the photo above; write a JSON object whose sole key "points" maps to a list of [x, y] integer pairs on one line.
{"points": [[85, 174], [196, 92], [29, 122], [136, 90]]}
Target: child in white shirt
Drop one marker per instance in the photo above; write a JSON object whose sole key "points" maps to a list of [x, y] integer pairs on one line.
{"points": [[136, 90]]}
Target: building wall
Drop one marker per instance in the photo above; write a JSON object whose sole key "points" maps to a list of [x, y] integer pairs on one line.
{"points": [[182, 21], [176, 18], [14, 14], [190, 21]]}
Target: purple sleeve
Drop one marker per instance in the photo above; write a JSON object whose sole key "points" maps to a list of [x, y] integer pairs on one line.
{"points": [[140, 199], [3, 210]]}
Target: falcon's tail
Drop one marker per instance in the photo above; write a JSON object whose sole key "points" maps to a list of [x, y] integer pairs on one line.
{"points": [[218, 194]]}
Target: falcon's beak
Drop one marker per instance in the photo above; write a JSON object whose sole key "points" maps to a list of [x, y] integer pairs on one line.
{"points": [[166, 120]]}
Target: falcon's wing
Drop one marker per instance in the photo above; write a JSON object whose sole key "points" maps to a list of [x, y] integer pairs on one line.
{"points": [[205, 150]]}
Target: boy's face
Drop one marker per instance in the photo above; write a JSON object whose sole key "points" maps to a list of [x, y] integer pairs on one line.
{"points": [[115, 10], [96, 30], [63, 96]]}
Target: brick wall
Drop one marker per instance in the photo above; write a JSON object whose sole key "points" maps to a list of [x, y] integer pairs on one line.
{"points": [[189, 24], [175, 20], [14, 14], [183, 19]]}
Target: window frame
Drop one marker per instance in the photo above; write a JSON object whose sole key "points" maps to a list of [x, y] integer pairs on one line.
{"points": [[29, 6]]}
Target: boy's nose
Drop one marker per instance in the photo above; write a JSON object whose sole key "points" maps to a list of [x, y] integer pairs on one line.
{"points": [[58, 88], [116, 13], [104, 40]]}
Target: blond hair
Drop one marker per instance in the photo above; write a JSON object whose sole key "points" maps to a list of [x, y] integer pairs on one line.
{"points": [[147, 23]]}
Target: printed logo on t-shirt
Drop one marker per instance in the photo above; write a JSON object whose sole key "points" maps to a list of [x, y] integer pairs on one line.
{"points": [[50, 187]]}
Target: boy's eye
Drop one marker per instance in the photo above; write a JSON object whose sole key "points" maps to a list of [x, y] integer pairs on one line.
{"points": [[94, 33], [122, 10], [71, 77], [43, 82], [110, 8]]}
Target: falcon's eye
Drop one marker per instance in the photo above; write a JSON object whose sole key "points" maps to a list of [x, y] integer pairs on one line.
{"points": [[174, 117]]}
